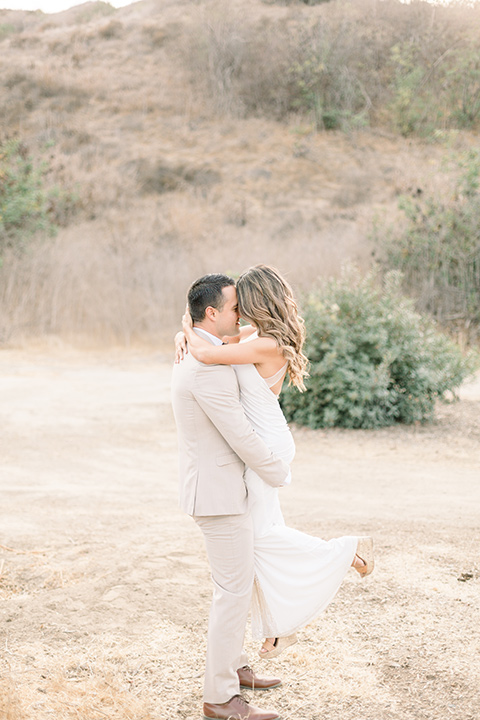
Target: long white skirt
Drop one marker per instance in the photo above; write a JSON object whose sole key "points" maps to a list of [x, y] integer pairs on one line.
{"points": [[296, 575]]}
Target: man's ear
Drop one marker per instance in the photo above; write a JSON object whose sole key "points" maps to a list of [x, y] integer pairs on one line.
{"points": [[210, 313]]}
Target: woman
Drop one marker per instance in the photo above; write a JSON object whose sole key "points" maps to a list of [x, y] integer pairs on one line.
{"points": [[296, 575]]}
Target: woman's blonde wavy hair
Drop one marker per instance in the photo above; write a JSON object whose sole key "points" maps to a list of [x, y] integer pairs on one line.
{"points": [[266, 300]]}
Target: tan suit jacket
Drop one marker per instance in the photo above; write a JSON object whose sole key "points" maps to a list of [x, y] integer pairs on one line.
{"points": [[216, 441]]}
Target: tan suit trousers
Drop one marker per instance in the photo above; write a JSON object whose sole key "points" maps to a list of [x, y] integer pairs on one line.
{"points": [[229, 544]]}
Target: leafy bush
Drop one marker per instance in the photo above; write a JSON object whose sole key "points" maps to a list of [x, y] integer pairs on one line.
{"points": [[6, 29], [413, 102], [26, 207], [374, 361], [324, 80], [432, 93], [438, 251], [23, 203], [462, 81]]}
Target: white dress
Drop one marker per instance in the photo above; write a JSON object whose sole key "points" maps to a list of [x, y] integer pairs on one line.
{"points": [[296, 575]]}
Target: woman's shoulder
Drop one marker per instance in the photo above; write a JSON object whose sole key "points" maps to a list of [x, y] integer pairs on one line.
{"points": [[261, 341]]}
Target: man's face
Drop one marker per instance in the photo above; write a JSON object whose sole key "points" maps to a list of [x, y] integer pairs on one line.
{"points": [[228, 320]]}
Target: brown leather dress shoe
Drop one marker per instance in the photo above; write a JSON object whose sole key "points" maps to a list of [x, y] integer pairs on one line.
{"points": [[237, 709], [249, 680]]}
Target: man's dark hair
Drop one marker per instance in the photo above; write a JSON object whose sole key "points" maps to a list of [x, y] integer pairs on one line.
{"points": [[207, 292]]}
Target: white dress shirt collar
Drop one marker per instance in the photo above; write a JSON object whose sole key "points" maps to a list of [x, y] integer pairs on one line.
{"points": [[207, 336]]}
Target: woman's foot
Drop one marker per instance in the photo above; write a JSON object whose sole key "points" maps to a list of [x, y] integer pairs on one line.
{"points": [[274, 646], [363, 561]]}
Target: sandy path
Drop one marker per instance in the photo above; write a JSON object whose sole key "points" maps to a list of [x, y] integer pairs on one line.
{"points": [[104, 585]]}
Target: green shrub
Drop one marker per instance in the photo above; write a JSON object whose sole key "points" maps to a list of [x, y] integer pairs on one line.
{"points": [[462, 82], [374, 361], [6, 29], [434, 93], [23, 202], [437, 251], [322, 85], [413, 103], [26, 206]]}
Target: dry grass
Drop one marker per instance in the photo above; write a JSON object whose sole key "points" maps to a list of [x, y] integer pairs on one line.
{"points": [[105, 587], [120, 273], [404, 644], [171, 179], [111, 291]]}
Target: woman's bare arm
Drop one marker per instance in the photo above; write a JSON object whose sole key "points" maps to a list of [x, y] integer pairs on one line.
{"points": [[255, 351], [181, 345], [245, 331]]}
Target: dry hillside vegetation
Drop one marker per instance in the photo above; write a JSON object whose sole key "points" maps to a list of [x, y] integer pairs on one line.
{"points": [[191, 141]]}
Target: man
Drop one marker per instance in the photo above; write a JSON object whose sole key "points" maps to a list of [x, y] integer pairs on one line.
{"points": [[216, 442]]}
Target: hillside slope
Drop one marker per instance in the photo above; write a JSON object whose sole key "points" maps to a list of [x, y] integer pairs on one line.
{"points": [[168, 188]]}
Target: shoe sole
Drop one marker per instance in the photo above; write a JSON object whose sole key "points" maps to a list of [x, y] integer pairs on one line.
{"points": [[205, 717], [270, 687]]}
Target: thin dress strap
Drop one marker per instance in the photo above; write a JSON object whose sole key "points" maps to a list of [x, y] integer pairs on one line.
{"points": [[271, 381]]}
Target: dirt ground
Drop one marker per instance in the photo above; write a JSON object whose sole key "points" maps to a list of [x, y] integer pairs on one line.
{"points": [[104, 583]]}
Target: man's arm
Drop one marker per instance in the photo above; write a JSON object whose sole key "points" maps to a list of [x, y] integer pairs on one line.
{"points": [[216, 391]]}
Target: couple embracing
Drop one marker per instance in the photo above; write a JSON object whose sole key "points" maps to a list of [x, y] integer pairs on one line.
{"points": [[235, 451]]}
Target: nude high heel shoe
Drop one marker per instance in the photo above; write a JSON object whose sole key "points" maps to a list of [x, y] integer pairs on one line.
{"points": [[365, 554], [271, 650]]}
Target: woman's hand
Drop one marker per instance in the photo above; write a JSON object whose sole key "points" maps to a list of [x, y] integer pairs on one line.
{"points": [[181, 347], [187, 322], [181, 338]]}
